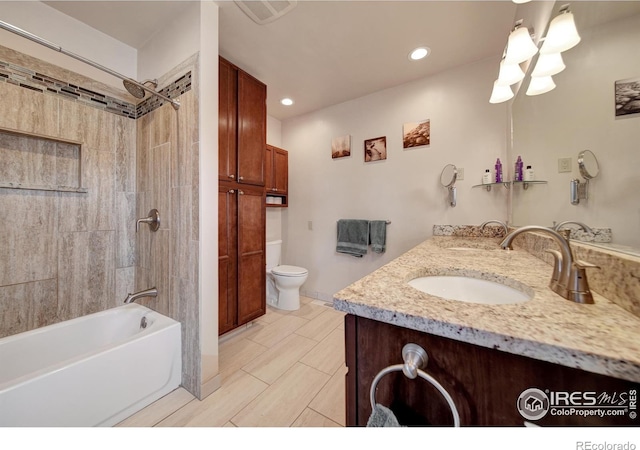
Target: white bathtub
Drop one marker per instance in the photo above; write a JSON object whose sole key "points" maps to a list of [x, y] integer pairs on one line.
{"points": [[95, 370]]}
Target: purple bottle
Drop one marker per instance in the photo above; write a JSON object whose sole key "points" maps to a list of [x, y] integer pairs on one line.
{"points": [[517, 175], [498, 171]]}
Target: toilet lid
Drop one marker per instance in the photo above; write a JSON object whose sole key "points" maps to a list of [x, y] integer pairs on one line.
{"points": [[289, 271]]}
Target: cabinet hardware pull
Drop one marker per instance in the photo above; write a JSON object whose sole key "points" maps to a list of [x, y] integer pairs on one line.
{"points": [[232, 191], [232, 176], [240, 178], [241, 192]]}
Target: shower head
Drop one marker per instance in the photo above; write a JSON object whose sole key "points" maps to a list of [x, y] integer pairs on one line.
{"points": [[133, 88]]}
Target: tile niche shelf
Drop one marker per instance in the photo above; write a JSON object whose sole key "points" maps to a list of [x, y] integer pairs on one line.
{"points": [[508, 184], [36, 162]]}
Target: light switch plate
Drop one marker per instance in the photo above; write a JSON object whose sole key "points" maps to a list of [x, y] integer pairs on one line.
{"points": [[564, 165]]}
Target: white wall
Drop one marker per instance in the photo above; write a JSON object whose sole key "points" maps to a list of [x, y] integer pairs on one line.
{"points": [[579, 115], [70, 34], [173, 43], [465, 130], [274, 215]]}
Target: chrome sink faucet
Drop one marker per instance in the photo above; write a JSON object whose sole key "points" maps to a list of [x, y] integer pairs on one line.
{"points": [[153, 292], [566, 233], [499, 222], [571, 281]]}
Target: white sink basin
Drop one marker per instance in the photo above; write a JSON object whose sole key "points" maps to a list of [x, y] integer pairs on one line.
{"points": [[471, 290]]}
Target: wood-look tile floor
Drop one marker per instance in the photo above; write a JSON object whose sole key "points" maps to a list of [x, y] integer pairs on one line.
{"points": [[286, 370]]}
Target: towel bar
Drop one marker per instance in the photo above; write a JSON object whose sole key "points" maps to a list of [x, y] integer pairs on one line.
{"points": [[414, 358]]}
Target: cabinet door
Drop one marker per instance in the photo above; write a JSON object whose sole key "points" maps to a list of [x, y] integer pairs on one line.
{"points": [[251, 254], [227, 259], [227, 113], [252, 129], [268, 169], [281, 170]]}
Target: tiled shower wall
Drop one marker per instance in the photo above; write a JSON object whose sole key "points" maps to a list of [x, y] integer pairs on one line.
{"points": [[65, 255], [167, 180]]}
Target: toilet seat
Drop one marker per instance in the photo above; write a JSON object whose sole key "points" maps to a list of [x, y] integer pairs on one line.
{"points": [[289, 271]]}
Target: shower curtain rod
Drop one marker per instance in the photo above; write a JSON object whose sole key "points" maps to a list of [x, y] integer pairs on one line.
{"points": [[57, 48]]}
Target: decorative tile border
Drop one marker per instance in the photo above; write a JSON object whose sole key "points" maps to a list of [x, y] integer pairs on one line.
{"points": [[35, 81]]}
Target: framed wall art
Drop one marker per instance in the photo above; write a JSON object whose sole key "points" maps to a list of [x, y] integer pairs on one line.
{"points": [[416, 134], [375, 149]]}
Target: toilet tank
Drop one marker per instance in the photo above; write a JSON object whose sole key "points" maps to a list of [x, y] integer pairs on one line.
{"points": [[274, 249]]}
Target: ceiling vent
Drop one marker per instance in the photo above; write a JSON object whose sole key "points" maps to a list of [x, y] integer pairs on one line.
{"points": [[265, 11]]}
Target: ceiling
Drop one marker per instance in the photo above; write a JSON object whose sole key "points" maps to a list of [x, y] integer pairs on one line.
{"points": [[326, 52]]}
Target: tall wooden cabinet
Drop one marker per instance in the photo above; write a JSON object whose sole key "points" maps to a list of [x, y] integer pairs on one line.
{"points": [[241, 197], [277, 174]]}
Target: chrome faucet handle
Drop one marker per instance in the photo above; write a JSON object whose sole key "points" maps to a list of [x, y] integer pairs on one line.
{"points": [[578, 285], [153, 219]]}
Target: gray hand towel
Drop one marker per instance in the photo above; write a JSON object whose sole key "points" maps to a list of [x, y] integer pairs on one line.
{"points": [[378, 235], [382, 417], [353, 237]]}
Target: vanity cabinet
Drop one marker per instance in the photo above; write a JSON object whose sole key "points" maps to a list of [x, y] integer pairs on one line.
{"points": [[277, 173], [484, 383], [242, 126], [241, 255]]}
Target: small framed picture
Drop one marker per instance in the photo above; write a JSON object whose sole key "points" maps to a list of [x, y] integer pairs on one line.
{"points": [[375, 149], [416, 134], [628, 96], [341, 146]]}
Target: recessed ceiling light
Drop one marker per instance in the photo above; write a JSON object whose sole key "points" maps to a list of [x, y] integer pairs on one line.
{"points": [[419, 53], [286, 101]]}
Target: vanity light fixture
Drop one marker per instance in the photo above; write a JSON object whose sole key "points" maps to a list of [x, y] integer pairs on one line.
{"points": [[548, 64], [500, 93], [562, 34], [520, 46], [540, 85], [286, 101], [509, 74], [419, 53]]}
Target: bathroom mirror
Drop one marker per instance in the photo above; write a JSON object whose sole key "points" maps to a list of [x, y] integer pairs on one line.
{"points": [[579, 114], [588, 165], [448, 179]]}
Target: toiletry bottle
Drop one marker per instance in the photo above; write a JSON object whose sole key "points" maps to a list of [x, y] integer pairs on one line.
{"points": [[528, 174], [517, 174], [498, 171], [486, 177]]}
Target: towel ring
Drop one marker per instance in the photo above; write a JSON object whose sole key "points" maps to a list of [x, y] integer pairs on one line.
{"points": [[415, 357]]}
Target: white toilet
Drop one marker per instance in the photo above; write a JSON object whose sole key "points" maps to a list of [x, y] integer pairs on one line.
{"points": [[283, 282]]}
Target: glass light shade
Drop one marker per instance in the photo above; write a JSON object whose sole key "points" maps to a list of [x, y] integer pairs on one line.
{"points": [[562, 34], [520, 46], [540, 85], [520, 1], [548, 64], [509, 74], [500, 93]]}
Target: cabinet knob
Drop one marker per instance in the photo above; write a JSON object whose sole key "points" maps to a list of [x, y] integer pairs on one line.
{"points": [[231, 191], [241, 192], [232, 176], [274, 189], [240, 178]]}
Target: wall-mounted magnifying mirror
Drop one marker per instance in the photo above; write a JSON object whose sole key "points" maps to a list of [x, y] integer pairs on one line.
{"points": [[589, 168], [448, 179]]}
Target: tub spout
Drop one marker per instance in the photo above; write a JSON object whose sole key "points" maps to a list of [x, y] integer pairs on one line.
{"points": [[153, 292]]}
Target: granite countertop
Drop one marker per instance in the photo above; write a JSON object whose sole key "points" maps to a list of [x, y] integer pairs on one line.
{"points": [[601, 338]]}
